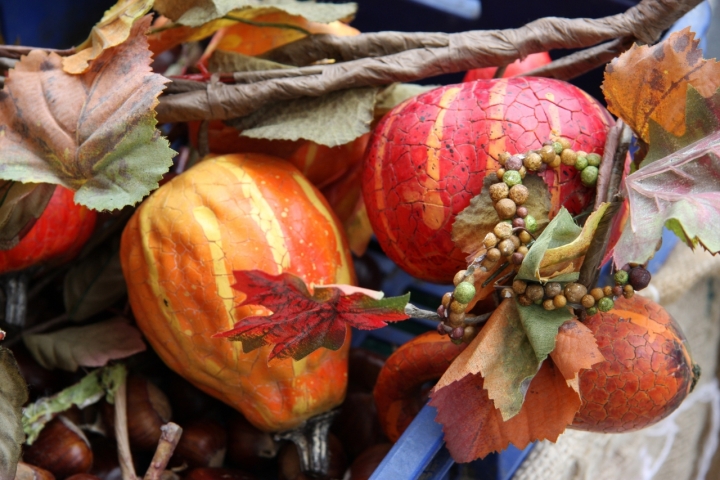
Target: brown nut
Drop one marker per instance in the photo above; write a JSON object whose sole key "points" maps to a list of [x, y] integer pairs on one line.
{"points": [[203, 444], [535, 292], [574, 292], [61, 448], [519, 194], [31, 472], [505, 208], [498, 191]]}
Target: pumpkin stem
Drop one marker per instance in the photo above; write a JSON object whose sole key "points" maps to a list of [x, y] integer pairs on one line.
{"points": [[311, 441]]}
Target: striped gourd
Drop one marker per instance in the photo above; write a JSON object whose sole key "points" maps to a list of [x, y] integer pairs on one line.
{"points": [[235, 212], [428, 157]]}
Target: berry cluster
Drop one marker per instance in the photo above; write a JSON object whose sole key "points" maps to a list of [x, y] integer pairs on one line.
{"points": [[455, 303]]}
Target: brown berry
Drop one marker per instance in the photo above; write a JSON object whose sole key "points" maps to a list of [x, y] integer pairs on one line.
{"points": [[522, 171], [568, 157], [557, 161], [553, 289], [446, 299], [519, 194], [498, 191], [525, 237], [503, 230], [523, 249], [518, 223], [456, 320], [500, 172], [457, 307], [521, 212], [617, 290], [559, 301], [519, 286], [490, 240], [514, 162], [535, 292], [507, 292], [533, 161], [516, 241], [587, 301], [470, 333], [505, 208], [607, 291], [517, 258], [493, 255], [548, 304], [503, 158], [628, 291], [574, 292], [547, 153], [459, 277], [524, 300], [564, 142], [639, 278], [506, 247], [597, 293]]}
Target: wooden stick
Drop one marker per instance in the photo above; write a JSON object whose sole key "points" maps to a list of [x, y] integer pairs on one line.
{"points": [[171, 433], [121, 433]]}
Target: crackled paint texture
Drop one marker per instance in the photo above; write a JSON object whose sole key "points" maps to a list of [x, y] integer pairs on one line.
{"points": [[427, 159], [57, 236], [178, 252], [647, 370]]}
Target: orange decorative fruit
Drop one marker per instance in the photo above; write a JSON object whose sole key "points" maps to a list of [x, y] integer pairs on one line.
{"points": [[647, 370], [179, 251]]}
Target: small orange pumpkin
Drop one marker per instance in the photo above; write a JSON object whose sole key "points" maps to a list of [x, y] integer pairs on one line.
{"points": [[178, 252]]}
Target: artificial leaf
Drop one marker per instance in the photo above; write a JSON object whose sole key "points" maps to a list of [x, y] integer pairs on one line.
{"points": [[649, 83], [92, 387], [562, 230], [393, 95], [221, 61], [480, 217], [94, 133], [575, 349], [112, 30], [13, 395], [21, 204], [94, 283], [680, 190], [333, 119], [195, 13], [508, 352], [301, 321], [473, 427], [89, 346], [558, 259]]}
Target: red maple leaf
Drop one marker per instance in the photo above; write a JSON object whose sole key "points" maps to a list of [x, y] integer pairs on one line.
{"points": [[301, 321]]}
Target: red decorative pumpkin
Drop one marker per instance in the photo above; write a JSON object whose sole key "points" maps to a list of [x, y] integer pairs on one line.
{"points": [[428, 157], [57, 236], [518, 67]]}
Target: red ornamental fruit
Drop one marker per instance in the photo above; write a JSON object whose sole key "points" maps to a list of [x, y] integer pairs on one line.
{"points": [[428, 157], [57, 236], [518, 67], [647, 370]]}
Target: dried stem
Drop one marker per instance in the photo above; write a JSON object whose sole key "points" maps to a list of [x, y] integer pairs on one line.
{"points": [[474, 49], [169, 439], [608, 160], [121, 433], [416, 312]]}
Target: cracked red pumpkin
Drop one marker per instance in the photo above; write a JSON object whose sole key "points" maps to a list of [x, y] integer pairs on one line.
{"points": [[428, 157]]}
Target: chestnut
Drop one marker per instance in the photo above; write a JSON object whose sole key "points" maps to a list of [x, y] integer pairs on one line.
{"points": [[289, 461], [26, 471], [83, 476], [357, 425], [203, 444], [61, 448], [248, 446], [218, 474]]}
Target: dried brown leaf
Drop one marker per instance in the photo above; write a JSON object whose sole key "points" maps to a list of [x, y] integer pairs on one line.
{"points": [[222, 61], [13, 395], [21, 204], [575, 349]]}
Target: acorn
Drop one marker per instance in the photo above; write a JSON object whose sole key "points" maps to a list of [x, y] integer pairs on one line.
{"points": [[248, 447], [61, 448], [203, 444], [218, 474], [289, 461], [148, 409], [367, 462], [31, 472]]}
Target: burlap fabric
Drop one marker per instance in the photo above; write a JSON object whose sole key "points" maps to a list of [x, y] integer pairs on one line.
{"points": [[683, 445]]}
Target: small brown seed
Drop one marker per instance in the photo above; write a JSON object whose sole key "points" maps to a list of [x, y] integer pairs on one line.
{"points": [[533, 161], [607, 291], [525, 237], [559, 301], [457, 307], [506, 247], [459, 276], [557, 161], [564, 142], [503, 230], [503, 157], [490, 240], [498, 191], [514, 162], [523, 249], [547, 153], [553, 289], [519, 286], [517, 258], [568, 157], [522, 171], [574, 292], [518, 223], [617, 290], [446, 299], [587, 301], [597, 293], [493, 255], [500, 172], [470, 333], [519, 194], [521, 212], [548, 304], [524, 301], [515, 240], [535, 292], [628, 291], [456, 319], [505, 208]]}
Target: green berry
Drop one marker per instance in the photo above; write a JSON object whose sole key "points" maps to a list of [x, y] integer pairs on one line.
{"points": [[512, 178], [592, 311], [530, 224], [621, 277], [605, 304], [581, 163], [589, 176], [558, 147], [464, 292], [594, 159]]}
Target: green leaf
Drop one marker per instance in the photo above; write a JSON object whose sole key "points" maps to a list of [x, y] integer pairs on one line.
{"points": [[21, 204], [333, 119], [94, 283], [90, 389], [562, 230], [194, 13], [94, 133], [13, 394], [397, 93], [87, 346]]}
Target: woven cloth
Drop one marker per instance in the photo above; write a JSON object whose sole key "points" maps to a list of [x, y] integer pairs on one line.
{"points": [[681, 446]]}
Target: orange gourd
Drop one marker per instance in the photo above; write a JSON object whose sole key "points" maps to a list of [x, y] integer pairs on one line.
{"points": [[178, 252]]}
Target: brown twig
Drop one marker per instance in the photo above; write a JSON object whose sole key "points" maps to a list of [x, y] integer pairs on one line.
{"points": [[171, 433], [606, 166], [645, 21], [121, 433], [17, 51]]}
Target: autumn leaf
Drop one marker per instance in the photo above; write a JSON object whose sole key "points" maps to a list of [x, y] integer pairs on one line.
{"points": [[575, 349], [112, 30], [13, 395], [395, 94], [94, 133], [508, 352], [21, 204], [474, 428], [301, 321], [650, 82], [88, 346], [221, 61]]}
